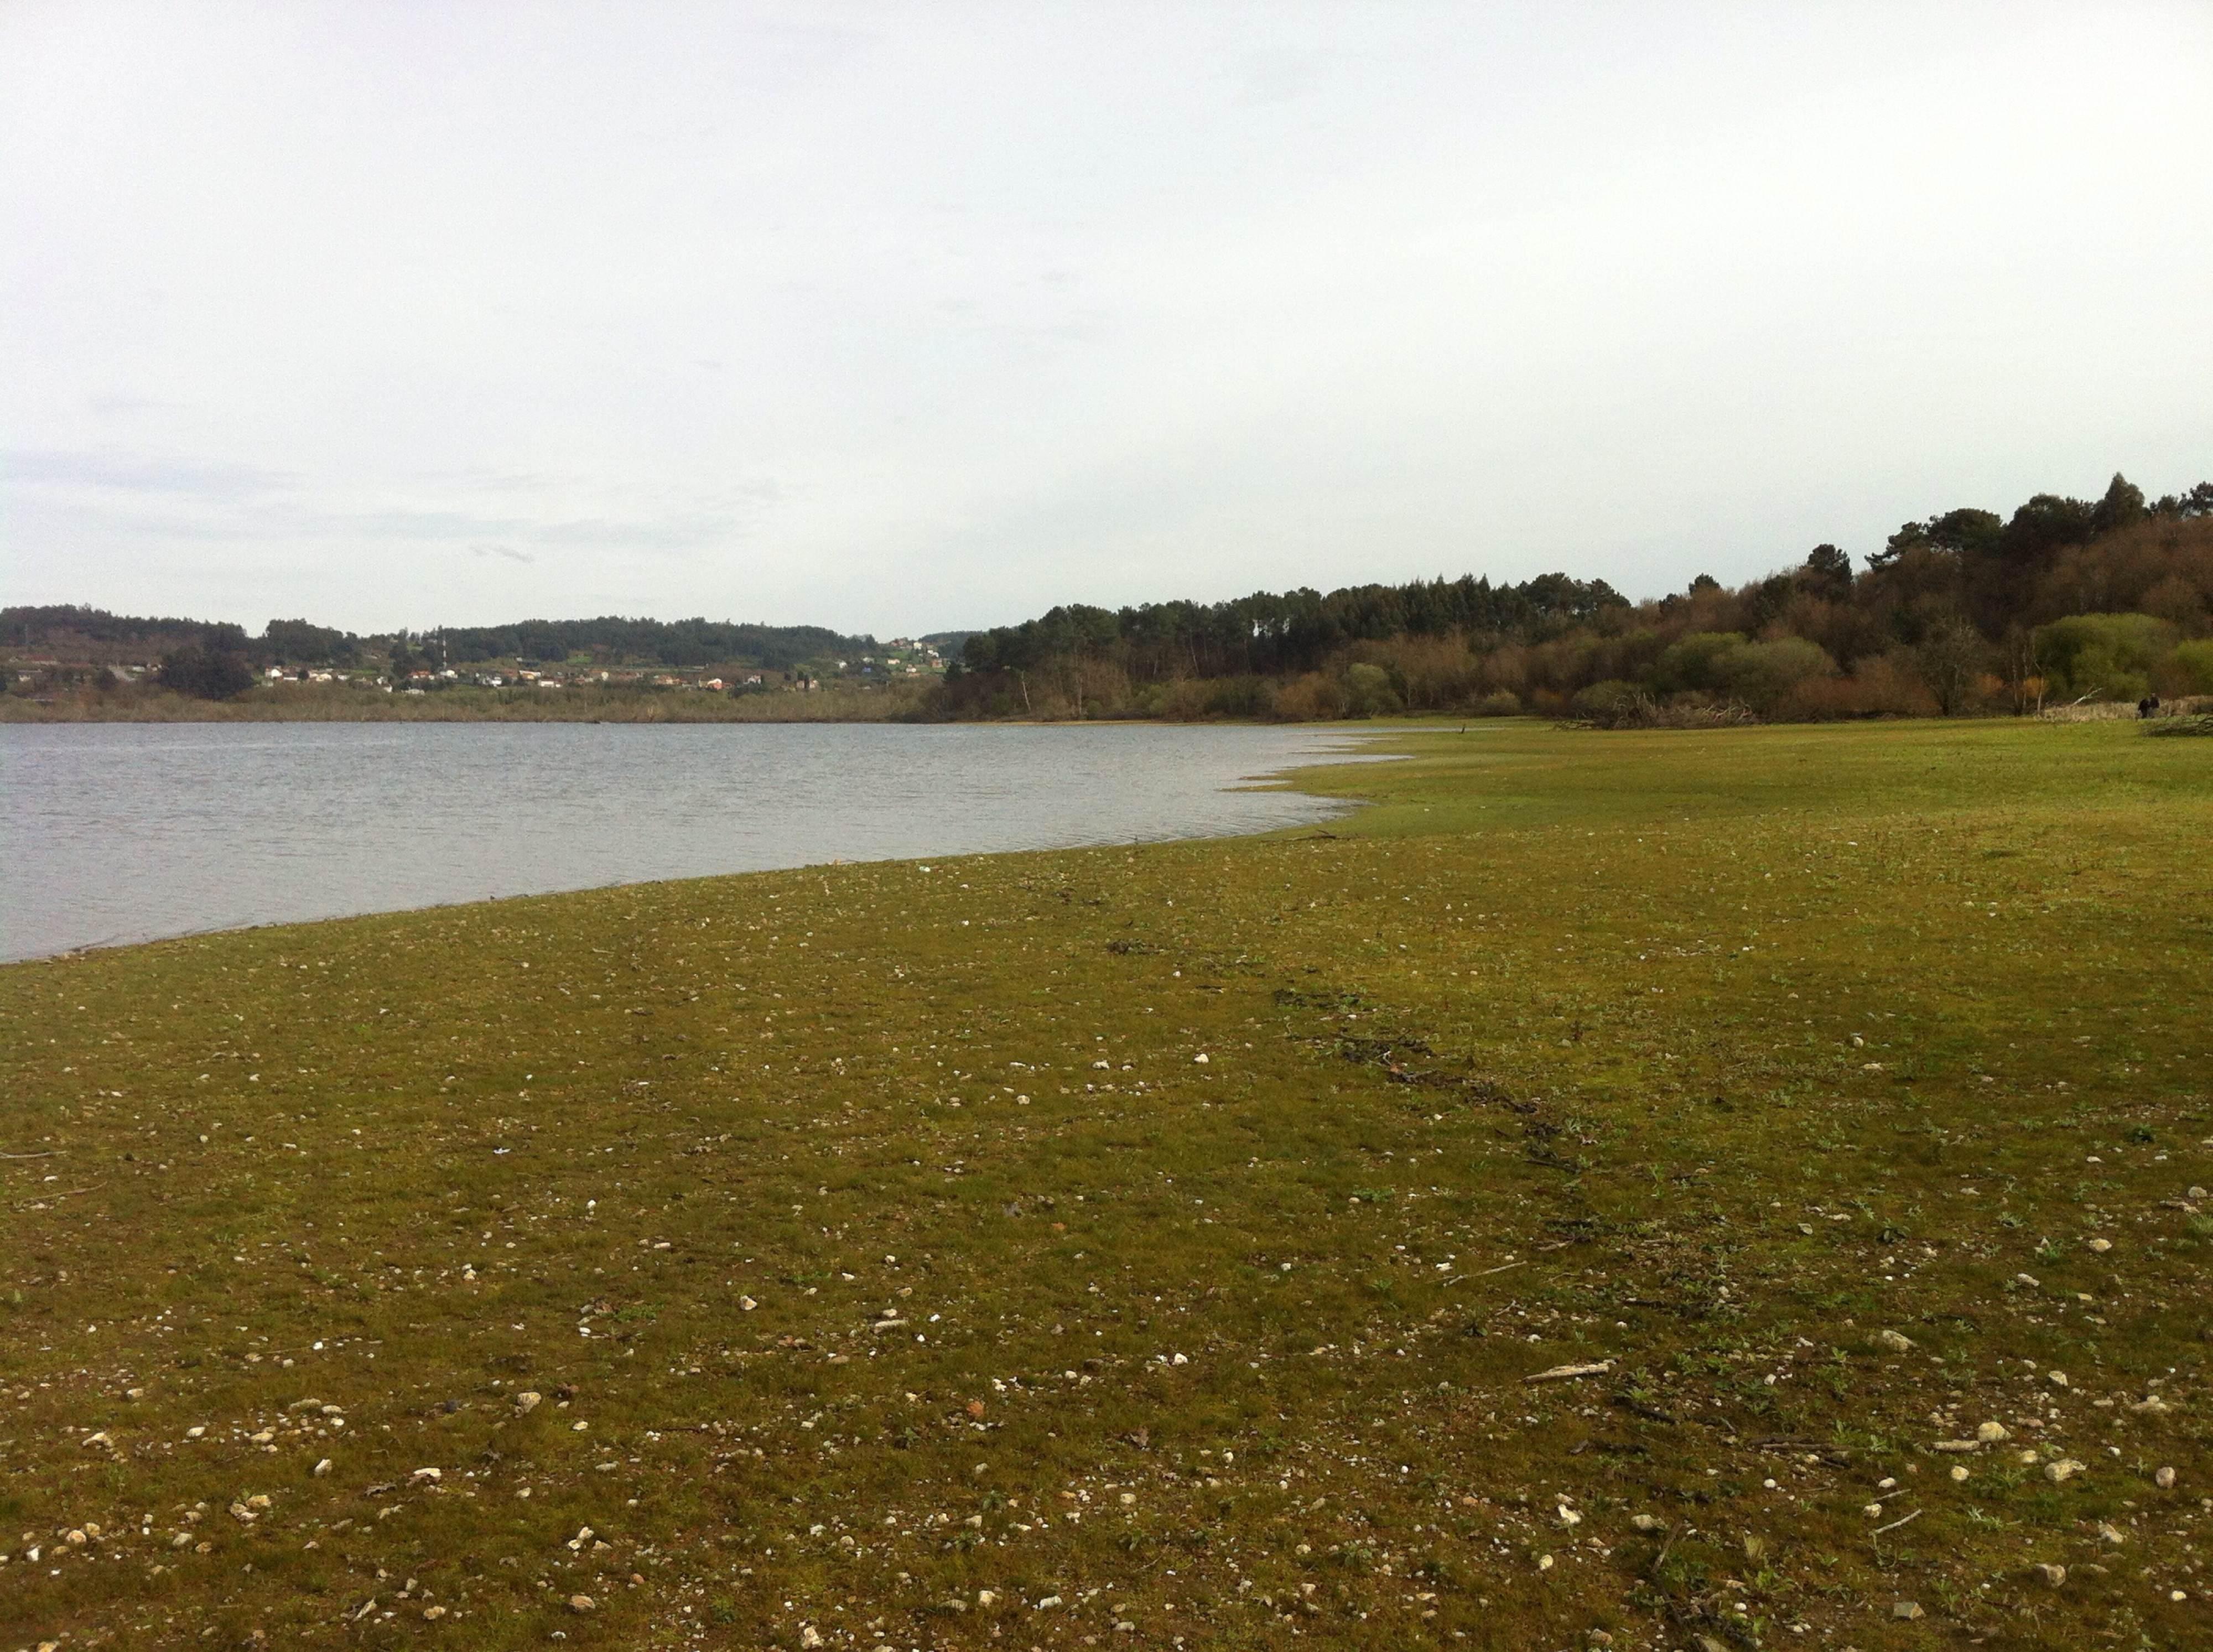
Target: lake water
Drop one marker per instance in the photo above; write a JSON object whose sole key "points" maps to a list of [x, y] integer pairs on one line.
{"points": [[115, 833]]}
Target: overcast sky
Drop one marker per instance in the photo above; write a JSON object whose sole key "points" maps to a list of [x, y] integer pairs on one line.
{"points": [[907, 317]]}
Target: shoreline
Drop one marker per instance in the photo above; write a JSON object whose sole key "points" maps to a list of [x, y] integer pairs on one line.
{"points": [[1335, 777], [1583, 1085], [675, 707], [1274, 771]]}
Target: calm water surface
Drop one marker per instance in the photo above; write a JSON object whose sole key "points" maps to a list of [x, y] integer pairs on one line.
{"points": [[114, 832]]}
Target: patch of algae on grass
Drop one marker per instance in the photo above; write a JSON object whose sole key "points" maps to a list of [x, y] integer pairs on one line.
{"points": [[1013, 1250]]}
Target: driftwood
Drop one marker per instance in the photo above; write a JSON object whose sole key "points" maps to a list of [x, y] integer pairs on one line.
{"points": [[1563, 1373]]}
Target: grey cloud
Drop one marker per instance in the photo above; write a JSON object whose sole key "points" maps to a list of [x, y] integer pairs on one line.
{"points": [[936, 315], [139, 472], [125, 407], [480, 480], [158, 517]]}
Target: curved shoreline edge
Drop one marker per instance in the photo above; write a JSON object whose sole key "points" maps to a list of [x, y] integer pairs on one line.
{"points": [[1277, 779], [1617, 1150]]}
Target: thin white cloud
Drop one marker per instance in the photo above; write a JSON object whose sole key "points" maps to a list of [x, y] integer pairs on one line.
{"points": [[136, 472]]}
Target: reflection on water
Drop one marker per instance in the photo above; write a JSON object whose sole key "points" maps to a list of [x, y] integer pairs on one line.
{"points": [[116, 831]]}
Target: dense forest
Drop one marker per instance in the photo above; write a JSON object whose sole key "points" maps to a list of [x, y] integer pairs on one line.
{"points": [[1966, 610]]}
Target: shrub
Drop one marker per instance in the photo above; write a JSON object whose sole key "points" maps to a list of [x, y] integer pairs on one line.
{"points": [[1500, 702], [1309, 698], [1696, 660], [1368, 692], [2188, 670], [2108, 655], [1195, 700], [1885, 685], [1608, 701], [1428, 674], [1762, 674]]}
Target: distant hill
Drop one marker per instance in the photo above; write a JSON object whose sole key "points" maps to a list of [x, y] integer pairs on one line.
{"points": [[673, 643], [87, 636], [82, 635]]}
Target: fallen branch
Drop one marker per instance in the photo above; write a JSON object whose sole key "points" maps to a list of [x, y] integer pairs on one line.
{"points": [[1895, 1524], [1564, 1373], [67, 1193], [50, 1153], [1462, 1279]]}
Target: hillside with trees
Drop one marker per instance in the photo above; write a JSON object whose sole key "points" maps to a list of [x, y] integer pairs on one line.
{"points": [[87, 636], [612, 639], [1966, 610], [70, 660]]}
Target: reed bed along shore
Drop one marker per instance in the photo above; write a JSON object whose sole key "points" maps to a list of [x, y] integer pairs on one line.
{"points": [[318, 704]]}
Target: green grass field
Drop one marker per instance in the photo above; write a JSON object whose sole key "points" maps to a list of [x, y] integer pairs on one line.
{"points": [[1152, 1247]]}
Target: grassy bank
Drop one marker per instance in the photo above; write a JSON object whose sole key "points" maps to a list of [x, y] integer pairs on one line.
{"points": [[1154, 1247]]}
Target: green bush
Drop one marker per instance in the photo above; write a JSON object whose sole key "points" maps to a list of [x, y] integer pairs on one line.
{"points": [[2188, 670], [1240, 697], [2108, 655], [1762, 674], [1369, 692], [1502, 702], [1607, 700], [1698, 661]]}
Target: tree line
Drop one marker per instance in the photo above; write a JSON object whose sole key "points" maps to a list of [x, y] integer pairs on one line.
{"points": [[216, 660], [1965, 610], [85, 633], [679, 643]]}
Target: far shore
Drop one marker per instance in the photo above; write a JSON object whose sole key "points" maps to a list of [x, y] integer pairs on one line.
{"points": [[305, 704], [887, 705]]}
